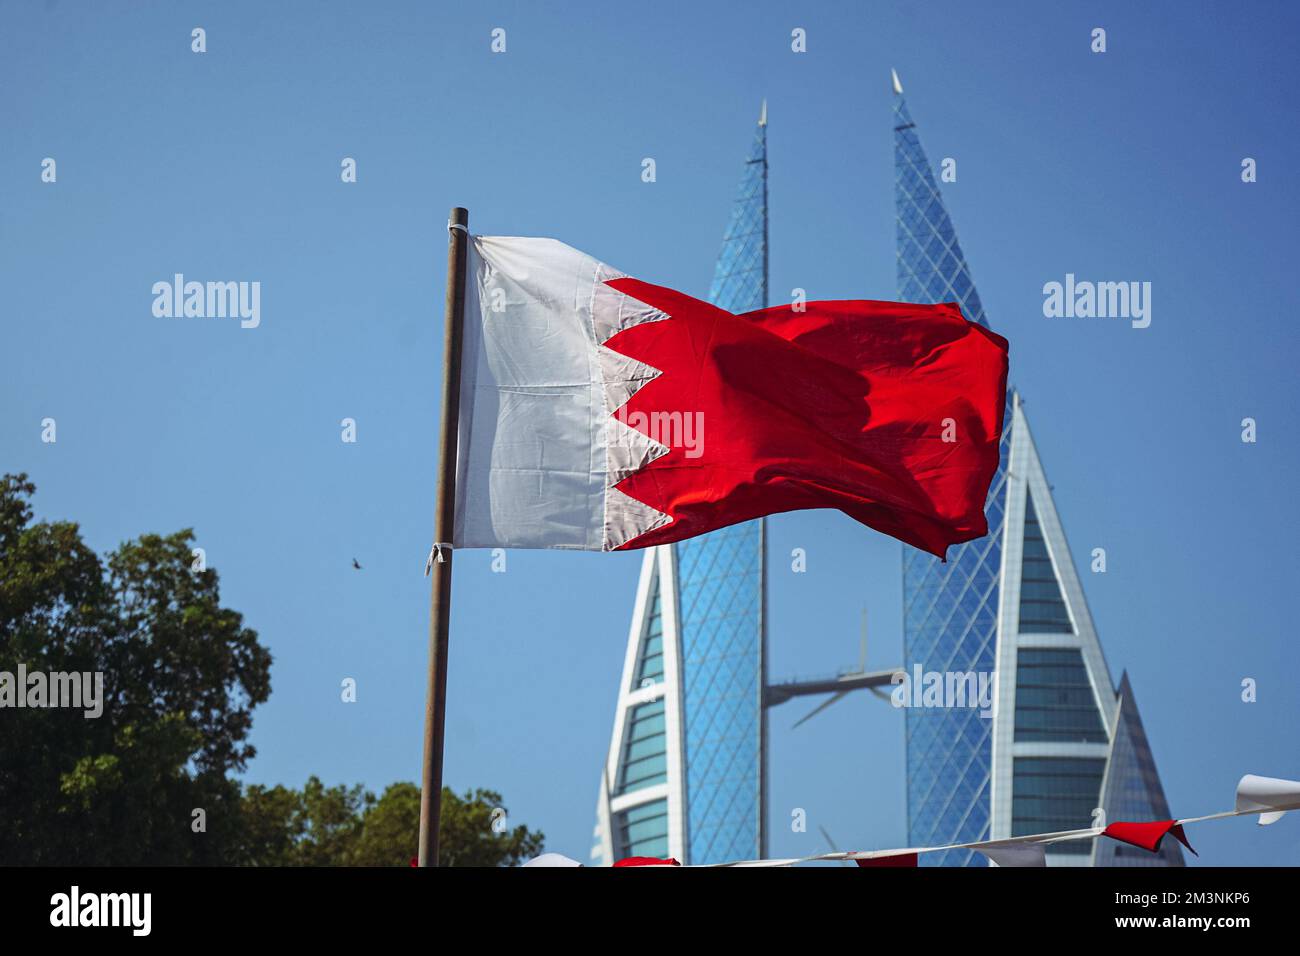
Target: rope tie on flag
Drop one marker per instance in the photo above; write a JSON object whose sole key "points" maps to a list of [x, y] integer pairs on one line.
{"points": [[455, 225], [435, 554]]}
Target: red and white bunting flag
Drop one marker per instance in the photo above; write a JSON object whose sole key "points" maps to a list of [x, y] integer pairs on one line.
{"points": [[646, 861], [1015, 854], [1269, 796], [552, 859], [1147, 835], [887, 859], [599, 412]]}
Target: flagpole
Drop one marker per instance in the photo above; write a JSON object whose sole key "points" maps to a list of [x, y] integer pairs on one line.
{"points": [[435, 711]]}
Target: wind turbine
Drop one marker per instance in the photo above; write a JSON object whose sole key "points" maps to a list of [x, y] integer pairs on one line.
{"points": [[841, 686], [831, 843]]}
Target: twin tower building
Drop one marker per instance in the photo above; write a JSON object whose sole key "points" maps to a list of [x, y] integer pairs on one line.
{"points": [[686, 771]]}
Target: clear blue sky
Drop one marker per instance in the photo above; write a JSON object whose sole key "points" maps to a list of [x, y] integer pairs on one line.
{"points": [[1124, 165]]}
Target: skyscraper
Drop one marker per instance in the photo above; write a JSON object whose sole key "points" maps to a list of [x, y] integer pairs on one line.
{"points": [[685, 772], [1062, 740]]}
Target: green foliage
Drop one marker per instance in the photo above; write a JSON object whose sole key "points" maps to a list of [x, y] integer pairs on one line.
{"points": [[390, 830], [181, 678], [340, 826], [467, 834]]}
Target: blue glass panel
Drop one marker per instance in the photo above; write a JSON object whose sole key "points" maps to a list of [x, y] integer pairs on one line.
{"points": [[1042, 609], [720, 583], [650, 660], [1054, 698], [1056, 793], [642, 831], [644, 759]]}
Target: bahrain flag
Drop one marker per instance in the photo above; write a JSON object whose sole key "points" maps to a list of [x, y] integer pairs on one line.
{"points": [[600, 412]]}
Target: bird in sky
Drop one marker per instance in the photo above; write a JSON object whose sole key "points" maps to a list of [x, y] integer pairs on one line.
{"points": [[355, 565]]}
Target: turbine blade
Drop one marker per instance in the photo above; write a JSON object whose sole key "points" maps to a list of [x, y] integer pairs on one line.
{"points": [[831, 843], [820, 707]]}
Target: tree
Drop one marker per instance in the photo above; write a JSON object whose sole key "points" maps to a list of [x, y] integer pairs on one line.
{"points": [[469, 833], [390, 830], [315, 826], [340, 826], [181, 676]]}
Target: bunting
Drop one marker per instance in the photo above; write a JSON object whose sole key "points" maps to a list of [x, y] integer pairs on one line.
{"points": [[1267, 797], [1147, 835]]}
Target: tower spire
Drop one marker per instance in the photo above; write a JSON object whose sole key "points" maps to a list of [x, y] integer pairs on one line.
{"points": [[931, 265], [740, 276]]}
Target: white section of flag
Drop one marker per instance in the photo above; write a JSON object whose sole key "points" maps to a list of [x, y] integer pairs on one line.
{"points": [[1015, 854], [552, 859], [538, 448], [1272, 795]]}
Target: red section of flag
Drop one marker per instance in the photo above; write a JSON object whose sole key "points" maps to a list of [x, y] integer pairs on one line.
{"points": [[889, 412], [898, 859], [646, 861], [1147, 835]]}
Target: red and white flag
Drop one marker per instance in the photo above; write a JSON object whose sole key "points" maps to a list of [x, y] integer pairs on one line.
{"points": [[1270, 797], [599, 412]]}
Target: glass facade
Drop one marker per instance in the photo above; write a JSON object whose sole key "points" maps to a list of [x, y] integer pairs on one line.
{"points": [[642, 830], [949, 610], [1054, 698], [720, 584], [931, 267], [1042, 609], [740, 276], [650, 657], [1056, 793], [645, 749], [720, 595]]}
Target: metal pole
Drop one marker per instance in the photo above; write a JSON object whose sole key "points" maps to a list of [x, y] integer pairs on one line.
{"points": [[435, 712]]}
